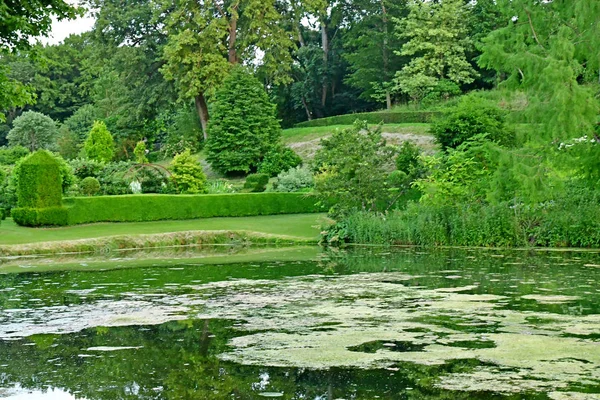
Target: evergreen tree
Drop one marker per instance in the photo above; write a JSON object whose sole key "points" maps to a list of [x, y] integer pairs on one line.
{"points": [[33, 130], [243, 127], [437, 42], [99, 144]]}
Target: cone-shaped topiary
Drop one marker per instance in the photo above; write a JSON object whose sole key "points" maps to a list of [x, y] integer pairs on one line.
{"points": [[99, 144], [243, 126]]}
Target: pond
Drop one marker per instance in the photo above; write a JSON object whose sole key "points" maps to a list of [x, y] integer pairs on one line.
{"points": [[354, 324]]}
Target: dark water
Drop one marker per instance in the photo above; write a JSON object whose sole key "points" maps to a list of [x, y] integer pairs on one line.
{"points": [[405, 324]]}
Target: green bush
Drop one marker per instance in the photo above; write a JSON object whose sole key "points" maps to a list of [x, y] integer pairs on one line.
{"points": [[140, 152], [279, 159], [473, 116], [10, 155], [256, 182], [33, 130], [114, 178], [82, 168], [90, 186], [243, 125], [38, 181], [99, 144], [294, 180], [407, 160], [34, 217], [188, 174], [387, 117], [151, 207]]}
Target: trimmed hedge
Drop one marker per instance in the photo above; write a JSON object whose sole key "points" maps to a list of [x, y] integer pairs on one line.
{"points": [[387, 117], [39, 182], [57, 216], [256, 182], [151, 207]]}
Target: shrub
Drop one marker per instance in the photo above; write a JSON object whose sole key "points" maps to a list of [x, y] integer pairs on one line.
{"points": [[10, 155], [294, 180], [82, 168], [279, 159], [89, 186], [140, 152], [154, 207], [473, 116], [243, 125], [219, 186], [188, 174], [256, 182], [387, 117], [113, 178], [407, 160], [32, 130], [99, 144], [151, 180], [38, 181], [34, 217]]}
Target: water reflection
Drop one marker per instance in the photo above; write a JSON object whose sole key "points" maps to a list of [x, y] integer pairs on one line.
{"points": [[352, 325]]}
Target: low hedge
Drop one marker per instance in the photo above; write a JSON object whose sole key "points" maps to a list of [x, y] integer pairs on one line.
{"points": [[387, 117], [33, 217], [151, 207]]}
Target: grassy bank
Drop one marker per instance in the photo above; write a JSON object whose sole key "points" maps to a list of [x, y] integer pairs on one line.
{"points": [[302, 226]]}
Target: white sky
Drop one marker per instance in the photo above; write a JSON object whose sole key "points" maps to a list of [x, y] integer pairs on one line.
{"points": [[62, 29]]}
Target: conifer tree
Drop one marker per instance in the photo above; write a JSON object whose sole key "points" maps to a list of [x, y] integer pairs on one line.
{"points": [[99, 145]]}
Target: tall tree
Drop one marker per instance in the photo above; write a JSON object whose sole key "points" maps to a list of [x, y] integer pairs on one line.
{"points": [[437, 42], [206, 39], [370, 43]]}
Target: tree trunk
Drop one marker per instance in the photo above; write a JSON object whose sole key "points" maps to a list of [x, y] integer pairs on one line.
{"points": [[232, 39], [325, 45], [386, 55], [308, 113], [388, 99], [202, 109]]}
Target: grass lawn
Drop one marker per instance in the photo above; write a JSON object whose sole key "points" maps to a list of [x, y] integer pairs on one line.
{"points": [[294, 135], [305, 226]]}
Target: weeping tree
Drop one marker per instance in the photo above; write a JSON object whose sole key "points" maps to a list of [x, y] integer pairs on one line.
{"points": [[549, 50]]}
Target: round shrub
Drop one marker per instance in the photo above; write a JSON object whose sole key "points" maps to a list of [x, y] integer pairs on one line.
{"points": [[89, 186], [256, 182], [473, 116], [294, 180], [279, 159]]}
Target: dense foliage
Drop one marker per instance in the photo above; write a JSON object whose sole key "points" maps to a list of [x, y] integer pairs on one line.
{"points": [[32, 130], [187, 174], [243, 127], [99, 144]]}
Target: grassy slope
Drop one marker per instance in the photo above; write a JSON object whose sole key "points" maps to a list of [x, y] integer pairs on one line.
{"points": [[305, 226], [294, 135]]}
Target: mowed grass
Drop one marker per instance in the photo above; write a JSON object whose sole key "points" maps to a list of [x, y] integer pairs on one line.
{"points": [[305, 226], [294, 135]]}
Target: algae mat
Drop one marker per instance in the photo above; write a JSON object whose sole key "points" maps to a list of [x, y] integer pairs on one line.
{"points": [[363, 324]]}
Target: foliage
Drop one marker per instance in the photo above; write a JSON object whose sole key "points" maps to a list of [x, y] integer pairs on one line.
{"points": [[352, 166], [82, 121], [114, 178], [149, 207], [256, 182], [388, 117], [35, 217], [83, 167], [140, 152], [408, 159], [297, 179], [39, 181], [220, 186], [13, 93], [185, 132], [437, 42], [10, 155], [99, 144], [188, 174], [279, 159], [89, 186], [32, 130], [243, 127], [67, 143], [473, 116]]}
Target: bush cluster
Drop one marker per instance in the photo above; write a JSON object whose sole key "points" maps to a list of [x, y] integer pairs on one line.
{"points": [[279, 159], [149, 207], [387, 117], [294, 180]]}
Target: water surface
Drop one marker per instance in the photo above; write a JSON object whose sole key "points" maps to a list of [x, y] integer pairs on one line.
{"points": [[361, 324]]}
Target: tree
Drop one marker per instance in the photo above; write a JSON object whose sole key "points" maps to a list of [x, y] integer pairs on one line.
{"points": [[243, 127], [207, 38], [99, 145], [188, 174], [549, 51], [352, 168], [370, 43], [437, 42], [33, 130], [140, 152]]}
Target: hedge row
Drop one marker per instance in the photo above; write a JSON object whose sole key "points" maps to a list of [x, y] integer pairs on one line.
{"points": [[387, 117], [57, 216], [148, 207]]}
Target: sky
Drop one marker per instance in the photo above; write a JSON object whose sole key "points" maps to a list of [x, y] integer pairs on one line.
{"points": [[62, 29]]}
